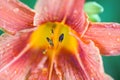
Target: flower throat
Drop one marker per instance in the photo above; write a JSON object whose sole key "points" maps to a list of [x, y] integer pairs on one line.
{"points": [[53, 36]]}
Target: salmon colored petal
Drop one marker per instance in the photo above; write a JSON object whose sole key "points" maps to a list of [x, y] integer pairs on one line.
{"points": [[18, 70], [15, 16], [11, 47], [70, 68], [84, 65], [106, 36], [40, 70], [92, 61], [68, 11]]}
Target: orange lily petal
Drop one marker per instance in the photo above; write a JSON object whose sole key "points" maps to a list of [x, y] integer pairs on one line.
{"points": [[87, 65], [69, 67], [92, 61], [11, 47], [15, 16], [40, 70], [106, 36], [66, 11], [18, 70]]}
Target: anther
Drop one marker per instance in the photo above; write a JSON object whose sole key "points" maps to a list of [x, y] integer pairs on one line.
{"points": [[50, 41], [61, 37], [44, 51], [52, 31], [53, 26]]}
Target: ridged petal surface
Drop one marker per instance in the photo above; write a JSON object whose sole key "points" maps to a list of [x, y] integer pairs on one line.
{"points": [[106, 36], [15, 16], [68, 11]]}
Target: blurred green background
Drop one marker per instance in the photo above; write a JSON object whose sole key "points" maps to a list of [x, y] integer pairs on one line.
{"points": [[111, 14]]}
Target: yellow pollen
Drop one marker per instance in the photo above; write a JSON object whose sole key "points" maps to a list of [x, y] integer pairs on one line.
{"points": [[52, 37]]}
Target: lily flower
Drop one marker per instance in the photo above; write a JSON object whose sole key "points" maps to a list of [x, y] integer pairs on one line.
{"points": [[54, 42]]}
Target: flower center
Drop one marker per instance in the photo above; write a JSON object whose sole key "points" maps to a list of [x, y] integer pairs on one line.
{"points": [[52, 37]]}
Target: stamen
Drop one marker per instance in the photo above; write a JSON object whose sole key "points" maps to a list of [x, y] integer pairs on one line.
{"points": [[52, 31], [50, 41], [61, 37], [44, 51], [53, 26]]}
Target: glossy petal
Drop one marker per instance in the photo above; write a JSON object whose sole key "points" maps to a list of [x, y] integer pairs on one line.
{"points": [[70, 68], [18, 70], [67, 11], [40, 70], [15, 16], [106, 36], [92, 61], [85, 65], [11, 47]]}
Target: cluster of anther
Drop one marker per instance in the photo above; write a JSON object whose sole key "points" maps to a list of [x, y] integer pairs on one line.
{"points": [[50, 41]]}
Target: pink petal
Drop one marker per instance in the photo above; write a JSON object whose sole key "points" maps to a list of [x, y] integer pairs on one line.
{"points": [[40, 70], [106, 36], [11, 47], [92, 61], [18, 70], [70, 68], [15, 16], [86, 65], [68, 11]]}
